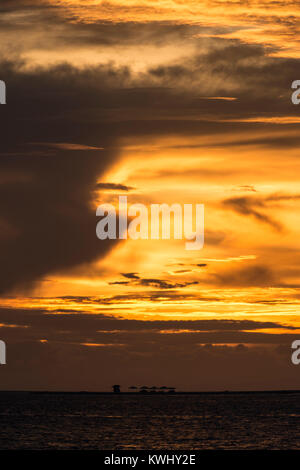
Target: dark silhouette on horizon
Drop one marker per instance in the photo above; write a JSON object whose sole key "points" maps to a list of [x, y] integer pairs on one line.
{"points": [[151, 390]]}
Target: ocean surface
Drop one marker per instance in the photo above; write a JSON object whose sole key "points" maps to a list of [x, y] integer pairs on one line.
{"points": [[133, 422]]}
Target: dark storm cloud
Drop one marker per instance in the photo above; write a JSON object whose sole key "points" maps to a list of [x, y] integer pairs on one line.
{"points": [[121, 108], [46, 205], [224, 67], [50, 216], [260, 83]]}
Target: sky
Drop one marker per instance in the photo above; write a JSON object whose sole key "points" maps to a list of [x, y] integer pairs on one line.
{"points": [[163, 102]]}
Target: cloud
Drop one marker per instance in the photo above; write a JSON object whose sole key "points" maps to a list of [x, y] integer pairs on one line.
{"points": [[248, 205], [246, 188], [114, 186], [152, 282], [139, 352], [162, 284], [131, 275], [249, 276], [86, 324], [70, 146], [73, 101], [225, 20], [49, 210]]}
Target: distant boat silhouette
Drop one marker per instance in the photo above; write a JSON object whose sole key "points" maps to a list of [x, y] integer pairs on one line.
{"points": [[153, 389], [145, 389]]}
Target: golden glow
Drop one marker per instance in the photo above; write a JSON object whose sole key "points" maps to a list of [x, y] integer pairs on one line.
{"points": [[203, 285], [265, 22], [248, 269]]}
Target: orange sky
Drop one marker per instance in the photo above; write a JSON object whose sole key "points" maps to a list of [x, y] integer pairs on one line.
{"points": [[275, 24], [197, 95], [191, 169]]}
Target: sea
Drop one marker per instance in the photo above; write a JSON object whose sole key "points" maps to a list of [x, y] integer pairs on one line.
{"points": [[84, 421]]}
